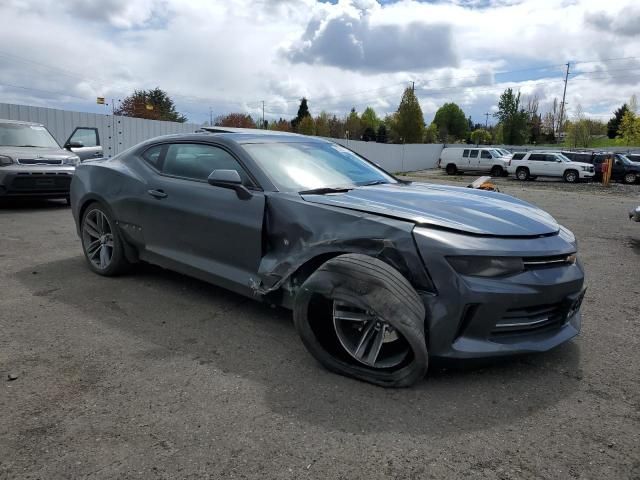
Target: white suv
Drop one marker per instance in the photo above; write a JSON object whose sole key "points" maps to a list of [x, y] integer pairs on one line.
{"points": [[529, 165]]}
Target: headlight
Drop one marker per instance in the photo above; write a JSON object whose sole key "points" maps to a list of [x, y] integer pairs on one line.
{"points": [[585, 169], [72, 160], [4, 161], [486, 266]]}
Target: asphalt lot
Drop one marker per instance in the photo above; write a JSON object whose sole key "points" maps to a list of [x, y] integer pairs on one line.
{"points": [[155, 375]]}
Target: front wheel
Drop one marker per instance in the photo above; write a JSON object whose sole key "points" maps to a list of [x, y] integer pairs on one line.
{"points": [[361, 318], [630, 178], [101, 242], [522, 174], [496, 171], [571, 176]]}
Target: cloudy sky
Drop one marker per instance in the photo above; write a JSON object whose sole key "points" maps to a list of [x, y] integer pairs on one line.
{"points": [[229, 55]]}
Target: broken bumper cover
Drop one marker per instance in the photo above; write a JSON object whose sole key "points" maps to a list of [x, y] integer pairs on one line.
{"points": [[473, 317]]}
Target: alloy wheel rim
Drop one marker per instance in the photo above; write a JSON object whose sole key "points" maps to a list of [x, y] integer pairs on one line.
{"points": [[367, 338], [97, 239], [630, 178], [522, 175], [571, 177]]}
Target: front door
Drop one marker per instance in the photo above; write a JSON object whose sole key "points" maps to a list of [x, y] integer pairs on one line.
{"points": [[85, 142], [474, 159], [486, 160], [200, 229]]}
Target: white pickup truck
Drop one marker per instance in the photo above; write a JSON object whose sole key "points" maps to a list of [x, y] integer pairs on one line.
{"points": [[479, 159]]}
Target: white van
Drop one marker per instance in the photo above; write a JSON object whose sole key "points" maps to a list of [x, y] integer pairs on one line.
{"points": [[479, 159], [529, 165]]}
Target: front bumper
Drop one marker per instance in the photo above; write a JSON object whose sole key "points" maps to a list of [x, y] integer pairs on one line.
{"points": [[36, 182], [474, 317]]}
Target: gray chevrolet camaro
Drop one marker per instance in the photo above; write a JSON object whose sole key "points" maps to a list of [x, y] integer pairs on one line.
{"points": [[381, 274]]}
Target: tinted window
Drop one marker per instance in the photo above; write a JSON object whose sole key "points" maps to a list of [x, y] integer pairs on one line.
{"points": [[88, 137], [465, 154], [537, 157], [485, 154], [474, 154], [152, 156], [551, 158], [598, 159], [518, 156], [195, 161]]}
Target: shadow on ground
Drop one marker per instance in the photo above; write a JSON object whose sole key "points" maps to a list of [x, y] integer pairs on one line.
{"points": [[7, 205], [178, 315]]}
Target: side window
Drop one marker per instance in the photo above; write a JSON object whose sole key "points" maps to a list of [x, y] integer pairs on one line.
{"points": [[197, 161], [598, 159], [537, 157], [465, 154], [485, 154], [152, 156], [551, 158], [88, 137], [474, 154], [518, 156]]}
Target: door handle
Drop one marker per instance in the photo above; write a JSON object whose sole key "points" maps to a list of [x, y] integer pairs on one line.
{"points": [[157, 193], [97, 154]]}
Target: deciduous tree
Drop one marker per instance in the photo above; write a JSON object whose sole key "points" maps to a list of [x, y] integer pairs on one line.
{"points": [[306, 126], [238, 120], [452, 123], [614, 122], [481, 137], [152, 104], [512, 117]]}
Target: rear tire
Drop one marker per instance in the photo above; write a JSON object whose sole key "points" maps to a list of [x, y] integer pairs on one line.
{"points": [[630, 178], [571, 176], [496, 171], [101, 242], [522, 174], [374, 290], [451, 169]]}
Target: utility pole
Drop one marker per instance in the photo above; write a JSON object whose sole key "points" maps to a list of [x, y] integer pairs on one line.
{"points": [[413, 87], [486, 121], [210, 117], [262, 114], [562, 105]]}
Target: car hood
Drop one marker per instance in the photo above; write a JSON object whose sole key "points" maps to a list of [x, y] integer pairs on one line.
{"points": [[35, 152], [463, 209]]}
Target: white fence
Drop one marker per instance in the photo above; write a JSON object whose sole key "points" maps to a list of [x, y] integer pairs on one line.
{"points": [[116, 133]]}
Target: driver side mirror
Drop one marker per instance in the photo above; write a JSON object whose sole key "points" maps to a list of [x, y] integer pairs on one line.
{"points": [[74, 144], [229, 179]]}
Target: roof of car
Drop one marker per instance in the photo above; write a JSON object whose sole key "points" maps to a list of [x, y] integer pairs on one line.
{"points": [[240, 136], [19, 122]]}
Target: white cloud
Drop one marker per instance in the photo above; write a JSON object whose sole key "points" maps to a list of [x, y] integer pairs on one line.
{"points": [[231, 55]]}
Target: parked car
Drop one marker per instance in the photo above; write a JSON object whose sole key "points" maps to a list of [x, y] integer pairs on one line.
{"points": [[634, 157], [32, 163], [381, 274], [540, 163], [504, 152], [459, 160]]}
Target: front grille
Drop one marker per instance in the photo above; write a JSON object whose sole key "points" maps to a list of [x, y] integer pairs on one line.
{"points": [[39, 161], [532, 263], [528, 319], [44, 182]]}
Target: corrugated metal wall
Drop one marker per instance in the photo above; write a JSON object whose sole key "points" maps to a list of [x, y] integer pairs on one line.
{"points": [[116, 133]]}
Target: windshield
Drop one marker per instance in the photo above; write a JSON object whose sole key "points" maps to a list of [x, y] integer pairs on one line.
{"points": [[295, 167], [562, 157], [624, 159], [17, 135], [497, 153]]}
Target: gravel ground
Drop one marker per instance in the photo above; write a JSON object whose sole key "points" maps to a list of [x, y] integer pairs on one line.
{"points": [[515, 186], [155, 375]]}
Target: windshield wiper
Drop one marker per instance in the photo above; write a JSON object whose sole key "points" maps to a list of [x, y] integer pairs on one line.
{"points": [[325, 190], [30, 146], [374, 182]]}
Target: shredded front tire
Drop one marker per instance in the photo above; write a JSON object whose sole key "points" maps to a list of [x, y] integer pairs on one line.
{"points": [[361, 318]]}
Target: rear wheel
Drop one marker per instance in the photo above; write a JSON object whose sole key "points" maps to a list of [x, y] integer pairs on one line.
{"points": [[571, 176], [101, 242], [630, 178], [496, 171], [361, 318], [522, 173], [451, 169]]}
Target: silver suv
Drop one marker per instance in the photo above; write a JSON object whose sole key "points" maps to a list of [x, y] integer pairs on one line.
{"points": [[32, 163]]}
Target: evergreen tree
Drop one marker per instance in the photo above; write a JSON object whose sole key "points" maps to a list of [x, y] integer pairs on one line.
{"points": [[614, 123], [410, 121], [381, 136], [303, 111], [512, 117], [353, 125]]}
